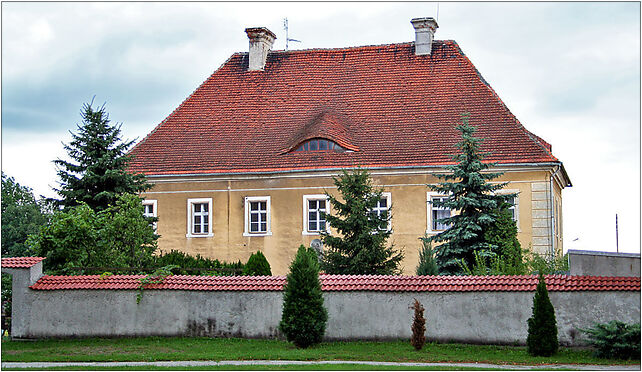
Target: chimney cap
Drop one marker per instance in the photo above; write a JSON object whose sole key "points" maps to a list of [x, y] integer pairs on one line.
{"points": [[424, 22], [256, 32]]}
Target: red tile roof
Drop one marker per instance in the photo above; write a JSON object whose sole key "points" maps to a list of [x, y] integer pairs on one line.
{"points": [[349, 283], [391, 107], [20, 262]]}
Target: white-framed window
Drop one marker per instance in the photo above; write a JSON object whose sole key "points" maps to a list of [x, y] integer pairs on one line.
{"points": [[199, 218], [257, 216], [435, 213], [383, 208], [315, 207], [149, 209], [514, 202]]}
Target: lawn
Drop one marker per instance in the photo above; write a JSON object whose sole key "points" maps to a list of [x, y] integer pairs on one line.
{"points": [[217, 349]]}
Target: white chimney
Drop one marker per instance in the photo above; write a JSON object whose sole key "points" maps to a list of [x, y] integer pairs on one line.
{"points": [[424, 33], [261, 40]]}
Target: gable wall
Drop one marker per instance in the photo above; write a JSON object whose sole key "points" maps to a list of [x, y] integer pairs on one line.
{"points": [[409, 222]]}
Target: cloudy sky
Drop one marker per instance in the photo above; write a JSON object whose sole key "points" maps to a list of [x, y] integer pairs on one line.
{"points": [[569, 71]]}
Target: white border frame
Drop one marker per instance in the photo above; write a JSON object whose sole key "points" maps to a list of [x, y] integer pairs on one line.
{"points": [[388, 196], [189, 217], [306, 198], [429, 196], [518, 193], [154, 204], [266, 199]]}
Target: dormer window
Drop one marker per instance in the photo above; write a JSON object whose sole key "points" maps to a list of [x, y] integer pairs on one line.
{"points": [[319, 144]]}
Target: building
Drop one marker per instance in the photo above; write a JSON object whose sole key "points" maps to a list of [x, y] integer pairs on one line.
{"points": [[243, 163]]}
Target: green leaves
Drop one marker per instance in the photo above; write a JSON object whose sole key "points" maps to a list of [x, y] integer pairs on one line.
{"points": [[98, 172], [304, 317], [615, 339], [542, 326], [361, 245], [257, 264]]}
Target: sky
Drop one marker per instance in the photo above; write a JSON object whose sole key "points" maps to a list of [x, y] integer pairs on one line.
{"points": [[570, 72]]}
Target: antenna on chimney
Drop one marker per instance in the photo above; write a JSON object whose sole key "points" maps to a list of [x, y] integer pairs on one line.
{"points": [[287, 38]]}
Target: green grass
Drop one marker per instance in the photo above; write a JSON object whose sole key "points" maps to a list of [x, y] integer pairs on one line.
{"points": [[217, 349], [316, 367]]}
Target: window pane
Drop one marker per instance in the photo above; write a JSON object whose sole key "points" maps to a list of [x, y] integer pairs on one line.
{"points": [[312, 225], [197, 229], [263, 217], [254, 206], [312, 216], [383, 202], [323, 145], [312, 204], [197, 220], [305, 146], [322, 225], [264, 206], [321, 204], [254, 227], [263, 226], [313, 145], [254, 217], [205, 207], [197, 207], [206, 227]]}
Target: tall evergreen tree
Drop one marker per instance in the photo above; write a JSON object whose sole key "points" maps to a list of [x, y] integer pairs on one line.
{"points": [[98, 173], [469, 192], [361, 248], [502, 237], [542, 326], [22, 215]]}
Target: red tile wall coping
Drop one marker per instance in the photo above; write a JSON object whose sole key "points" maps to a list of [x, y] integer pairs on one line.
{"points": [[379, 283], [20, 262]]}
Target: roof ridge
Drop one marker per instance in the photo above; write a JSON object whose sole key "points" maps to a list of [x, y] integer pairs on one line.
{"points": [[337, 49]]}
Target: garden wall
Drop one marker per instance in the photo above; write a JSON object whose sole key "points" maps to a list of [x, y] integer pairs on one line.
{"points": [[466, 309]]}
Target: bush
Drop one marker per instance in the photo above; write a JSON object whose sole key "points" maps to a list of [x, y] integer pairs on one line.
{"points": [[304, 317], [615, 339], [257, 264], [184, 261], [427, 264], [542, 327], [418, 327]]}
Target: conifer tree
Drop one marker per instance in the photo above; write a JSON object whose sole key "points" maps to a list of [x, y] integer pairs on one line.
{"points": [[502, 237], [257, 265], [542, 326], [98, 172], [427, 264], [304, 317], [468, 192], [361, 248], [418, 326]]}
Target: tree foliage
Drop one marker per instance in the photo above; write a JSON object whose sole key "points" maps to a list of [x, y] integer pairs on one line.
{"points": [[469, 192], [502, 238], [542, 326], [427, 264], [418, 326], [81, 237], [97, 174], [182, 261], [304, 317], [361, 247], [22, 215], [257, 264], [615, 339]]}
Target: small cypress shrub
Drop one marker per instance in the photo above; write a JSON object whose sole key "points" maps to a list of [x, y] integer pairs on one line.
{"points": [[418, 327], [304, 317], [615, 339], [542, 326], [257, 265], [427, 264]]}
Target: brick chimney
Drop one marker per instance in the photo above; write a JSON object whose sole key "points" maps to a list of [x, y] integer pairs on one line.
{"points": [[261, 40], [424, 33]]}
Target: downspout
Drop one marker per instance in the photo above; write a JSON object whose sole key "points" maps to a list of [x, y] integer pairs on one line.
{"points": [[552, 220]]}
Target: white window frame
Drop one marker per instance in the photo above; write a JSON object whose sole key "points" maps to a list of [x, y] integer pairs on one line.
{"points": [[388, 197], [248, 200], [429, 196], [306, 199], [154, 205], [190, 219], [516, 207]]}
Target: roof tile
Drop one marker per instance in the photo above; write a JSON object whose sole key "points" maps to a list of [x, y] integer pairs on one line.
{"points": [[20, 262]]}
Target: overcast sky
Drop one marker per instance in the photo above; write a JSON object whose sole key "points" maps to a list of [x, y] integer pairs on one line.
{"points": [[570, 72]]}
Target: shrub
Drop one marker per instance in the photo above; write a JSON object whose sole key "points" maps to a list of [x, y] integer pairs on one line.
{"points": [[542, 327], [304, 317], [184, 262], [257, 264], [427, 264], [615, 339], [418, 327]]}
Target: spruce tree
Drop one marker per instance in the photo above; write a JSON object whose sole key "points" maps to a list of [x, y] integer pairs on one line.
{"points": [[304, 317], [502, 237], [98, 172], [542, 326], [469, 192], [361, 247], [427, 264]]}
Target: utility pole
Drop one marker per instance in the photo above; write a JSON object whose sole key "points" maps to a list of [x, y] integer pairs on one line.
{"points": [[617, 248]]}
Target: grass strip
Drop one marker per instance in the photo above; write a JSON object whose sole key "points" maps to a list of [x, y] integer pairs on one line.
{"points": [[148, 349]]}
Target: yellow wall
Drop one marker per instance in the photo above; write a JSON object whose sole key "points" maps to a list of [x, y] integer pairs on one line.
{"points": [[409, 210]]}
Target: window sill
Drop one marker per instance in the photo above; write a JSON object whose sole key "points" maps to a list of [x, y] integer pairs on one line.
{"points": [[317, 233], [188, 235], [269, 233]]}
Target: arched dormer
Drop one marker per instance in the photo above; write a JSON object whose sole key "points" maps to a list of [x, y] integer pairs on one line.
{"points": [[319, 144]]}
